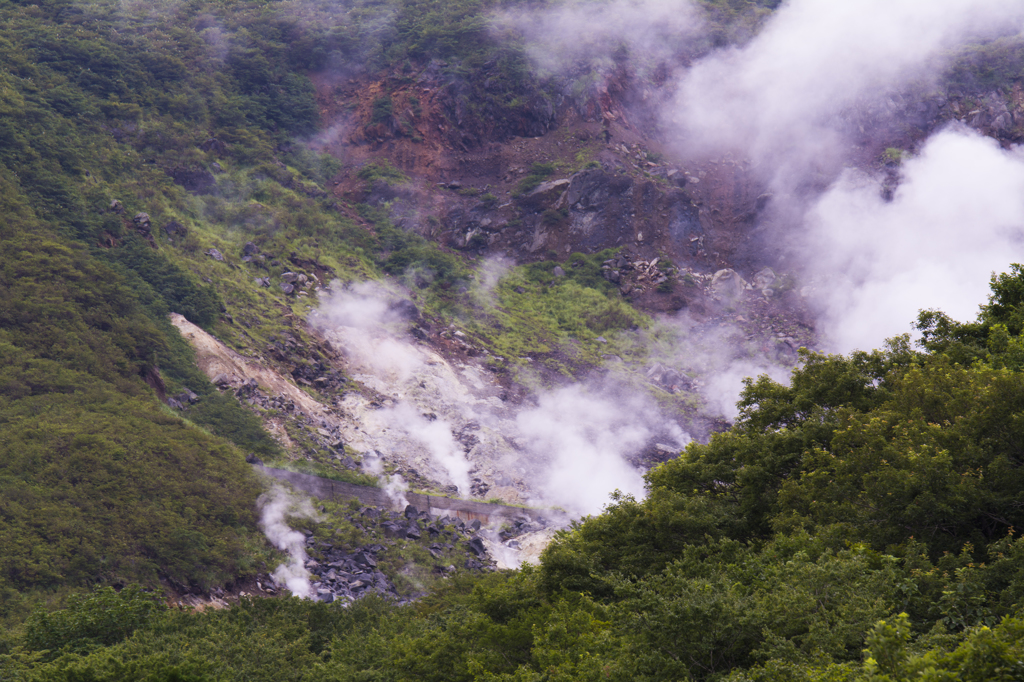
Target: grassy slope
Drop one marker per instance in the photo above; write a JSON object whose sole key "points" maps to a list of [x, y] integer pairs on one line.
{"points": [[102, 103]]}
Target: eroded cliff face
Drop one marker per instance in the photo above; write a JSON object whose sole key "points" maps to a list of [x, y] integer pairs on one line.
{"points": [[613, 175], [704, 241], [591, 178]]}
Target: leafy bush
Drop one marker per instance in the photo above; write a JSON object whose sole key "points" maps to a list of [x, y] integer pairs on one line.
{"points": [[91, 620], [381, 110], [381, 170], [222, 414]]}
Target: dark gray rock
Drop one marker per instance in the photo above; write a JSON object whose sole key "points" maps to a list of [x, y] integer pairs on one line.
{"points": [[476, 545], [196, 180], [405, 309], [214, 145], [544, 195], [287, 288], [591, 188], [175, 229], [365, 559]]}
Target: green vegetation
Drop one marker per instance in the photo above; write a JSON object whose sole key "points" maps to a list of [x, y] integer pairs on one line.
{"points": [[857, 524], [381, 170], [323, 471], [539, 172], [893, 156], [557, 320], [91, 621]]}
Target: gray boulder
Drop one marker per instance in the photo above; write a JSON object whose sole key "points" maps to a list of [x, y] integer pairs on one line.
{"points": [[545, 195], [727, 285]]}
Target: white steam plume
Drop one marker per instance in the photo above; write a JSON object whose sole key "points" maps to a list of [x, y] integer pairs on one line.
{"points": [[368, 310], [714, 359], [488, 275], [777, 98], [787, 101], [581, 437], [371, 311], [275, 506], [363, 305], [956, 217], [573, 447], [436, 437]]}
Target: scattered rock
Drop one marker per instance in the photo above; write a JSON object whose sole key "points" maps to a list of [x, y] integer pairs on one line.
{"points": [[727, 285], [764, 278], [175, 229], [197, 180], [405, 309]]}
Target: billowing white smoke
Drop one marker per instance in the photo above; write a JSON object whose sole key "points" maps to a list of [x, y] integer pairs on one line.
{"points": [[363, 305], [576, 440], [436, 437], [559, 36], [776, 100], [582, 436], [369, 310], [957, 216], [275, 506], [784, 101]]}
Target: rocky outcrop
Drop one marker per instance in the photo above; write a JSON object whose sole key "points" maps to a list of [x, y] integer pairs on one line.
{"points": [[195, 179], [727, 286], [545, 195], [604, 208]]}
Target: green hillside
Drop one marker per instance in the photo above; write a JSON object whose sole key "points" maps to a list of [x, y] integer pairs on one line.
{"points": [[857, 525], [861, 523]]}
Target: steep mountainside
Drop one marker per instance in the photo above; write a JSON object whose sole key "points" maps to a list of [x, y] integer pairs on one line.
{"points": [[517, 252]]}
